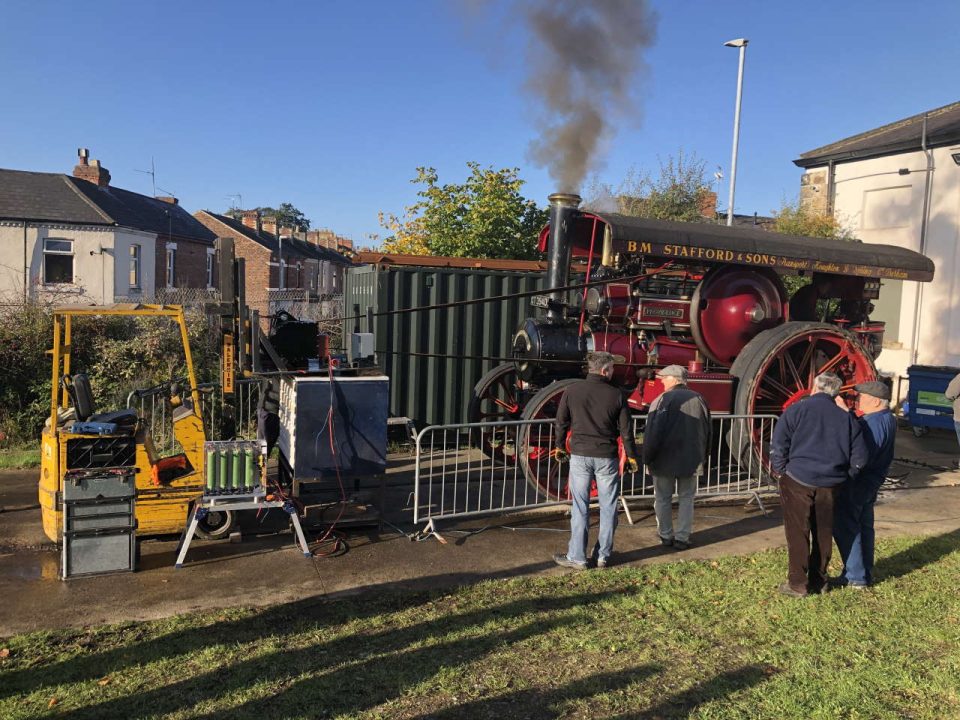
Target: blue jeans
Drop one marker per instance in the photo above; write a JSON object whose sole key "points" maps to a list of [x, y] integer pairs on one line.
{"points": [[606, 471], [853, 530]]}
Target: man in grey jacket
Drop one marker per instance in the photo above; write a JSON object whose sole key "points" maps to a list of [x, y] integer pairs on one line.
{"points": [[953, 393], [676, 442]]}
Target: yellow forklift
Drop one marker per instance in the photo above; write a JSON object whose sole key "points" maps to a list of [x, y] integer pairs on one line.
{"points": [[76, 438]]}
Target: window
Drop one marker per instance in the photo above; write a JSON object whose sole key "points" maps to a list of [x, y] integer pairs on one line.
{"points": [[171, 265], [57, 260], [210, 263], [135, 267]]}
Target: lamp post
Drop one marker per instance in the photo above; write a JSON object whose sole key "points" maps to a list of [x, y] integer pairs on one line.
{"points": [[742, 44]]}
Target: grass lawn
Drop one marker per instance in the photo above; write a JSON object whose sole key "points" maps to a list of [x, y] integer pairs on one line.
{"points": [[15, 458], [687, 639]]}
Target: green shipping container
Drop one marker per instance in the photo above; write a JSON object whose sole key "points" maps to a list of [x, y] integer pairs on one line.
{"points": [[436, 390]]}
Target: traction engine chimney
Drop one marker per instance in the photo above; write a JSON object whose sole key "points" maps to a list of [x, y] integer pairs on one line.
{"points": [[563, 210]]}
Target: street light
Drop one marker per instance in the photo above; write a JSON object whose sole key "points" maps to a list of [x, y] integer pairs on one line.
{"points": [[742, 44]]}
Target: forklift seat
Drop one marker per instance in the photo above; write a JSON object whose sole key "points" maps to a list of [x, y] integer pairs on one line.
{"points": [[78, 388]]}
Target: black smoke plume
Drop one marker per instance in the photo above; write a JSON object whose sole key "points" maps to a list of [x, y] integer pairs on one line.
{"points": [[586, 60]]}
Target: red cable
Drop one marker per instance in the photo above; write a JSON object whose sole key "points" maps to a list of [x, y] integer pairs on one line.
{"points": [[336, 465]]}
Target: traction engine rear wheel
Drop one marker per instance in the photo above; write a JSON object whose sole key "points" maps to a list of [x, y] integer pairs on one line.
{"points": [[499, 396], [777, 368], [536, 442]]}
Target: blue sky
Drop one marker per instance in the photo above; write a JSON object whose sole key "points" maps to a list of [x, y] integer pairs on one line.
{"points": [[332, 105]]}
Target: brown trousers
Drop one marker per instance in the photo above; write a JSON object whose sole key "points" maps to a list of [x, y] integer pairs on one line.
{"points": [[807, 515]]}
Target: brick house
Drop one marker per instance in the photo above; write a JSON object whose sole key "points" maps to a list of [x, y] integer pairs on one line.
{"points": [[280, 263], [78, 238]]}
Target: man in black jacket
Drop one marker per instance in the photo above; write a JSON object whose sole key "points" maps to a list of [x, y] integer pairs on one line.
{"points": [[676, 442], [816, 447], [595, 412]]}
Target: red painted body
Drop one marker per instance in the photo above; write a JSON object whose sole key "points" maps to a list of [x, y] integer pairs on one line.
{"points": [[716, 388]]}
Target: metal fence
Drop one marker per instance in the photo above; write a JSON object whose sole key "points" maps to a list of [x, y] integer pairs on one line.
{"points": [[324, 309], [224, 417], [475, 469]]}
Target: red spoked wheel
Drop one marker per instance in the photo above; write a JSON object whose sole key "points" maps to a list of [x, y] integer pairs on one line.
{"points": [[777, 368], [537, 441], [500, 395]]}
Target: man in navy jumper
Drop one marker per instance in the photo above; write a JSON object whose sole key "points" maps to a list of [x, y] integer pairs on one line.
{"points": [[816, 447], [853, 513]]}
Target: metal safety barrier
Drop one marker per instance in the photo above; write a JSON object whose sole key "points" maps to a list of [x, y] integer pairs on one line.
{"points": [[476, 469], [224, 417]]}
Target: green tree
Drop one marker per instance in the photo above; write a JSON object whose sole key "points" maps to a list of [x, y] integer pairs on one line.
{"points": [[794, 219], [486, 217], [678, 192]]}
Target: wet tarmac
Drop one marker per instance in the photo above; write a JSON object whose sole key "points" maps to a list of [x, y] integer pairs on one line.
{"points": [[267, 568]]}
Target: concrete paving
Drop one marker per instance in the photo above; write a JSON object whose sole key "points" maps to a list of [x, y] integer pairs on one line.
{"points": [[267, 568]]}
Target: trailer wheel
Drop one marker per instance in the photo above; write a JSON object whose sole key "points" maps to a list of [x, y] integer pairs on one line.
{"points": [[216, 525], [499, 396], [542, 470], [776, 369]]}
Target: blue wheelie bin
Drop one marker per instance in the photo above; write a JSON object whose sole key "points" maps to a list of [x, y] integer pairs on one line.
{"points": [[928, 407]]}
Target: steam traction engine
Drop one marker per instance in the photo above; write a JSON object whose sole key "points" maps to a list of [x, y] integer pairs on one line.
{"points": [[709, 297]]}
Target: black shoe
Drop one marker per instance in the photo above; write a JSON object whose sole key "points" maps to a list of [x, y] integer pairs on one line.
{"points": [[666, 542], [681, 544], [563, 561], [785, 589]]}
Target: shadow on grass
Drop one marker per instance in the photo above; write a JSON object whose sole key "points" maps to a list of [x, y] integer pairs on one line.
{"points": [[927, 551], [325, 677], [718, 687], [537, 703], [541, 703]]}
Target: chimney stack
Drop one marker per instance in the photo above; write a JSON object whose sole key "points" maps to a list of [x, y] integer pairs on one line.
{"points": [[286, 231], [251, 219], [90, 171], [270, 225], [708, 204], [168, 199]]}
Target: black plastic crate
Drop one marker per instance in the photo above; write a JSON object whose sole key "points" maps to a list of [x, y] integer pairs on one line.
{"points": [[101, 452]]}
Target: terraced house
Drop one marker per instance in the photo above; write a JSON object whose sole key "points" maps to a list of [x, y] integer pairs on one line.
{"points": [[284, 268], [76, 238]]}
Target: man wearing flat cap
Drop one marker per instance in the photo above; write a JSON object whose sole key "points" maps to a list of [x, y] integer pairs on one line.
{"points": [[816, 447], [853, 508], [676, 441]]}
